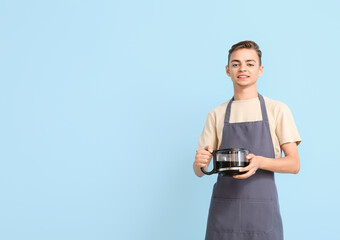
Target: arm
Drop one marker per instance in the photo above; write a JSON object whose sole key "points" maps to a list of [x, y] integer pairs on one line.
{"points": [[206, 144], [288, 164]]}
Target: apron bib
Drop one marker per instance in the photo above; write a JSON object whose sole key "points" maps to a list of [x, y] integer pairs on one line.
{"points": [[246, 209]]}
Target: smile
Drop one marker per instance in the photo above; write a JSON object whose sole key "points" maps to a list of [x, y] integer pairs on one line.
{"points": [[243, 76]]}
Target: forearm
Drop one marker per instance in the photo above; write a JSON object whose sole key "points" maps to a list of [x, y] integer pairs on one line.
{"points": [[287, 164]]}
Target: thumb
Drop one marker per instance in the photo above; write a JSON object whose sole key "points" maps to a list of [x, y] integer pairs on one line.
{"points": [[209, 148]]}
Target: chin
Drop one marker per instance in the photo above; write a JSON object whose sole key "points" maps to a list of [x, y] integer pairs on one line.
{"points": [[243, 83]]}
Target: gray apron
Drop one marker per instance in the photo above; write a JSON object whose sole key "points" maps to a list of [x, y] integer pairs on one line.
{"points": [[246, 209]]}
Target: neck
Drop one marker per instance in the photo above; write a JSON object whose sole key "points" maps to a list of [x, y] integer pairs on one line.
{"points": [[245, 93]]}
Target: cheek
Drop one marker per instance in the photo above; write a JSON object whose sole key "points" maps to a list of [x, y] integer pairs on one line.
{"points": [[254, 72], [233, 72]]}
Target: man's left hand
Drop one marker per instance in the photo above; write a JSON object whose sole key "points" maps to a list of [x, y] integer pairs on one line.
{"points": [[255, 163]]}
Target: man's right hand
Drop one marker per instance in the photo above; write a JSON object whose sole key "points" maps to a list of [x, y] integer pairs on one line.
{"points": [[203, 158]]}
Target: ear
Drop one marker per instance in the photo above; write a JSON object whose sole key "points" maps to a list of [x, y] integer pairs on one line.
{"points": [[227, 70], [260, 71]]}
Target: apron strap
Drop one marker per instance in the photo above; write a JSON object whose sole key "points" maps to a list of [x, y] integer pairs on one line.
{"points": [[263, 110]]}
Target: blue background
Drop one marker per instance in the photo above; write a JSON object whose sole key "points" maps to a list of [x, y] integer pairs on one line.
{"points": [[103, 102]]}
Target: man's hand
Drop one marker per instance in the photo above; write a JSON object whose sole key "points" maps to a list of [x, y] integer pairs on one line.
{"points": [[255, 163], [203, 157]]}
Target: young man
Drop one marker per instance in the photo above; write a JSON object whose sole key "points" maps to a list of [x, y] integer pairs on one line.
{"points": [[246, 206]]}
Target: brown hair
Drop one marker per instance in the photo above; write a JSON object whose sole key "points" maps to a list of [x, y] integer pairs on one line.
{"points": [[245, 44]]}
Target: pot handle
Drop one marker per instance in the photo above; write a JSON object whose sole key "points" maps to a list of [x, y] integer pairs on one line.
{"points": [[208, 173], [214, 169]]}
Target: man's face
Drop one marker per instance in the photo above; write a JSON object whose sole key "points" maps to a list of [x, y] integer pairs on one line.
{"points": [[244, 67]]}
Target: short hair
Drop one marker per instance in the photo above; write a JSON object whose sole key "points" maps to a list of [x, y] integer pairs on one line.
{"points": [[246, 44]]}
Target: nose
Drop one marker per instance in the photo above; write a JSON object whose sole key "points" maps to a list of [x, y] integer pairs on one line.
{"points": [[242, 68]]}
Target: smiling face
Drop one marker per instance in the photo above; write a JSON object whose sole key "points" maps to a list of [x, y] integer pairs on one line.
{"points": [[244, 67]]}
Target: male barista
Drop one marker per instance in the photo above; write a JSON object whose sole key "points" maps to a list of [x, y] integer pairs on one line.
{"points": [[246, 206]]}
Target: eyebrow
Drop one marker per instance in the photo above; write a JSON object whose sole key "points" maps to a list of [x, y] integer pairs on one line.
{"points": [[248, 60]]}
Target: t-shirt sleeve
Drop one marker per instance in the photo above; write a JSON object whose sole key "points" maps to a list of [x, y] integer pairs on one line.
{"points": [[208, 136], [286, 130]]}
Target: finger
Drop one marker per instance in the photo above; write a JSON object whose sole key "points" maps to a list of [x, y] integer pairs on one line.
{"points": [[201, 151], [247, 168], [204, 157], [201, 165], [246, 175], [250, 156], [209, 148], [243, 176], [205, 153], [203, 161]]}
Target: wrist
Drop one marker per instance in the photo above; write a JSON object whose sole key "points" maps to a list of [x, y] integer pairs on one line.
{"points": [[261, 161]]}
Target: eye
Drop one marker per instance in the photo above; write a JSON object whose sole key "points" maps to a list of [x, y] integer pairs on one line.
{"points": [[250, 64], [235, 64]]}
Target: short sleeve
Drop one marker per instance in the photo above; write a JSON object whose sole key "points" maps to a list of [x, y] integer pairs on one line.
{"points": [[208, 136], [286, 130]]}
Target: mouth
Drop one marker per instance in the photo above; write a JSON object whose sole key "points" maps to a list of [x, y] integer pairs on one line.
{"points": [[242, 76]]}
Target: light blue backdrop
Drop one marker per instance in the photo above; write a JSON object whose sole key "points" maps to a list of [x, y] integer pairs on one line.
{"points": [[103, 102]]}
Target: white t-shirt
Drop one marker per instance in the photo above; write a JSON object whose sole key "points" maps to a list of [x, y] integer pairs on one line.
{"points": [[281, 122]]}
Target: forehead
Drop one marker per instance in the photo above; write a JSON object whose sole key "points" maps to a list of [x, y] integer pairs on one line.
{"points": [[244, 53]]}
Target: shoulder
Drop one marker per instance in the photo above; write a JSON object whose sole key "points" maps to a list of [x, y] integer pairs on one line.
{"points": [[275, 106], [219, 110], [278, 111]]}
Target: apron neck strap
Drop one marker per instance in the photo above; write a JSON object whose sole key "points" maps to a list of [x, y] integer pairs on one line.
{"points": [[263, 109]]}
